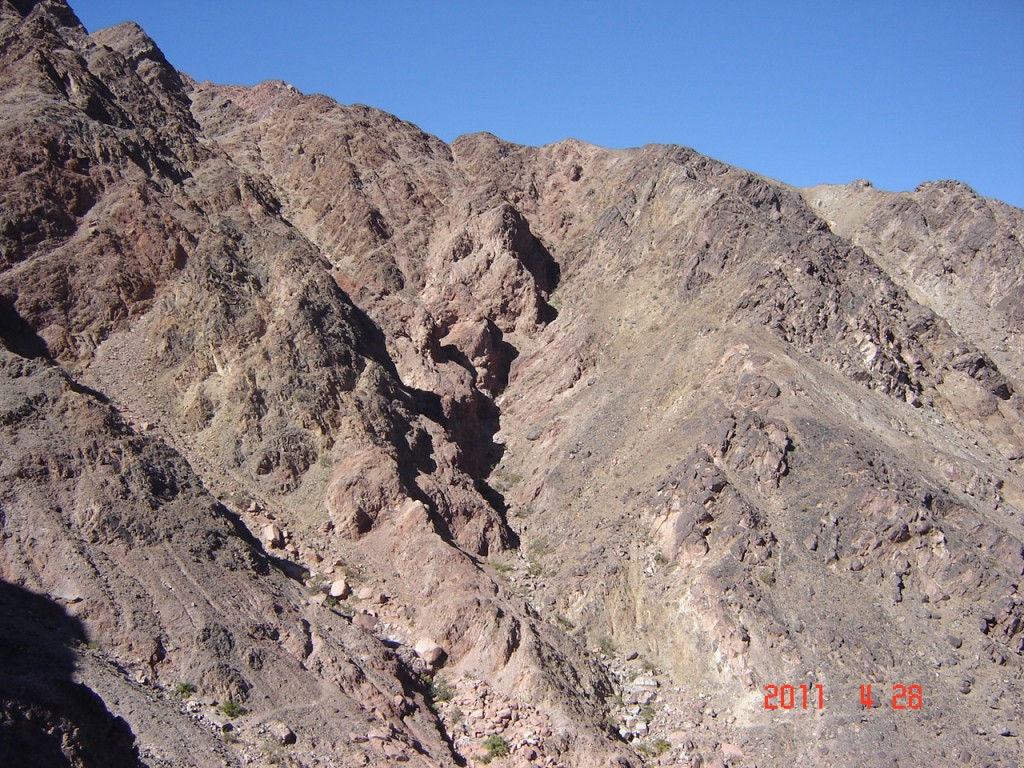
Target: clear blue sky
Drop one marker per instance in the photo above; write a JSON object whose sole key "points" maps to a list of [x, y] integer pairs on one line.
{"points": [[896, 91]]}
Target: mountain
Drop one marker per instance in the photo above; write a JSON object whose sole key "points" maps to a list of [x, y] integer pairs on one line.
{"points": [[325, 443]]}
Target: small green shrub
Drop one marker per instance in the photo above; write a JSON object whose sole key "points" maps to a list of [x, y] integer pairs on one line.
{"points": [[606, 645], [232, 709], [184, 690], [440, 690], [644, 749], [654, 748], [496, 746]]}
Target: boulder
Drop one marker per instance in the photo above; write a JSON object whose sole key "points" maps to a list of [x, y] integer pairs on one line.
{"points": [[273, 537], [340, 589], [431, 653], [365, 621], [281, 733]]}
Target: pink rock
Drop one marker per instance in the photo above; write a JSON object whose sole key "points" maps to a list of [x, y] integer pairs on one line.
{"points": [[340, 589], [273, 537], [431, 653], [365, 621]]}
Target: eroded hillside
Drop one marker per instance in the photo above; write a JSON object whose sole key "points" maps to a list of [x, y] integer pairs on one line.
{"points": [[401, 452]]}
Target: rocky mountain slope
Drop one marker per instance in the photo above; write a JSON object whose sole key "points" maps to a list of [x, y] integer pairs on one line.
{"points": [[326, 443]]}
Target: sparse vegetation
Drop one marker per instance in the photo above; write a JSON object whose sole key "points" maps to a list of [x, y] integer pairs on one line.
{"points": [[240, 500], [654, 748], [606, 645], [273, 752], [232, 709], [502, 568], [457, 715], [505, 481], [351, 572], [184, 690], [441, 690], [563, 622], [496, 746], [538, 545], [647, 713]]}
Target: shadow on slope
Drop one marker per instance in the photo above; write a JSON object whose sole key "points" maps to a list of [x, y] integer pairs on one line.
{"points": [[47, 719]]}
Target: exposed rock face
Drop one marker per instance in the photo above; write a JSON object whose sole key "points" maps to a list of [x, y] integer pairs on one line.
{"points": [[324, 442]]}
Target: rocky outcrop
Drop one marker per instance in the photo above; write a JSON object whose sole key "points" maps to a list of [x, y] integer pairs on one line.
{"points": [[323, 442]]}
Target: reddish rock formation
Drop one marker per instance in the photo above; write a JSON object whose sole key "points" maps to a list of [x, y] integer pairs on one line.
{"points": [[324, 442]]}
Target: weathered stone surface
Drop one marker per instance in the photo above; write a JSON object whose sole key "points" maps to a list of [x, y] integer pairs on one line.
{"points": [[431, 653], [281, 733], [340, 589], [273, 537], [753, 435], [365, 621]]}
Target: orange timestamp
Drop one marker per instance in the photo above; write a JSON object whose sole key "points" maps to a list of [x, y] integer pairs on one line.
{"points": [[813, 697]]}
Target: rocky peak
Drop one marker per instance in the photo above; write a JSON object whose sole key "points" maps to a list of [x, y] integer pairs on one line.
{"points": [[57, 10], [131, 41]]}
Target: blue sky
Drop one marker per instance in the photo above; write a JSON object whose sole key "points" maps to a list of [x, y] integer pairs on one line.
{"points": [[899, 92]]}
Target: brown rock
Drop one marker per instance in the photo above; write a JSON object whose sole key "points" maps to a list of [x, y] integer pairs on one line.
{"points": [[280, 732], [431, 653], [340, 589], [392, 341], [367, 594], [365, 621], [272, 536]]}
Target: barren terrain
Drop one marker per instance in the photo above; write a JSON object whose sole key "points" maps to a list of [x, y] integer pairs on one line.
{"points": [[325, 443]]}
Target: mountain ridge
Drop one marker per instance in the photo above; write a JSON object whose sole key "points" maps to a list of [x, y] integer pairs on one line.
{"points": [[577, 448]]}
